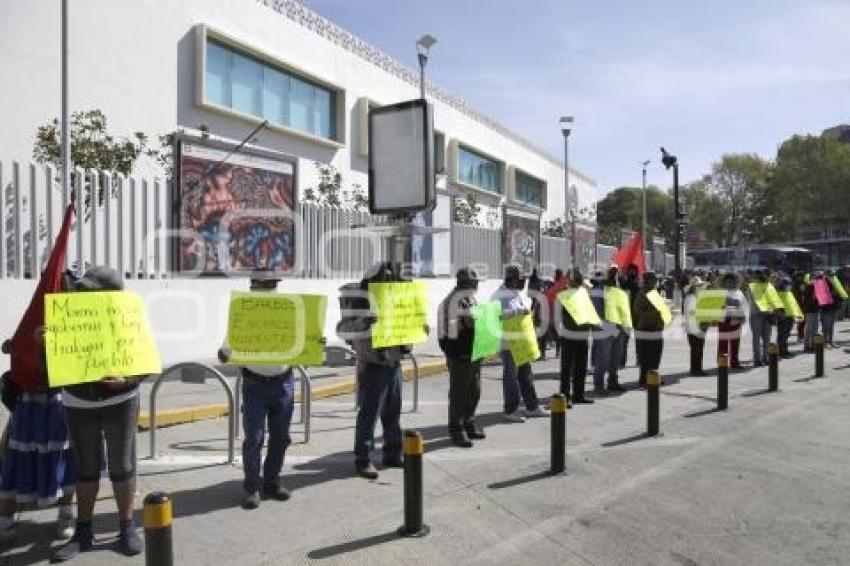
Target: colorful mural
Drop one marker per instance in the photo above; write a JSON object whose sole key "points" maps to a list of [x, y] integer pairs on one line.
{"points": [[521, 241], [238, 208]]}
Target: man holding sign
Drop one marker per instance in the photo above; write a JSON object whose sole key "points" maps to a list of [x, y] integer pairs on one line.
{"points": [[268, 386], [651, 316], [105, 338]]}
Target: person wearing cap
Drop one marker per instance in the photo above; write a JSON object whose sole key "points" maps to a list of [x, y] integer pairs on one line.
{"points": [[517, 382], [695, 330], [98, 414], [574, 344], [649, 328], [456, 330], [268, 401]]}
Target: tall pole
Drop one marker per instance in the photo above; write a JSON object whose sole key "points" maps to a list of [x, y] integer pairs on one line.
{"points": [[680, 241], [643, 223], [569, 212], [423, 59], [65, 149]]}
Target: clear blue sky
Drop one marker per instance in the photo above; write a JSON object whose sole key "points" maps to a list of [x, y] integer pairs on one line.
{"points": [[701, 77]]}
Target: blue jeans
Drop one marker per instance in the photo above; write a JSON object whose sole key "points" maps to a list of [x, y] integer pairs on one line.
{"points": [[517, 383], [761, 329], [269, 401], [379, 393], [827, 321], [783, 332], [607, 355]]}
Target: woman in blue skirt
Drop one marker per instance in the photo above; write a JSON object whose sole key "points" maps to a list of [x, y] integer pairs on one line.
{"points": [[39, 468]]}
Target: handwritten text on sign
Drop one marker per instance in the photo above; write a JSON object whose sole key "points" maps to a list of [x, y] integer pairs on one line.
{"points": [[90, 336], [268, 329], [402, 309]]}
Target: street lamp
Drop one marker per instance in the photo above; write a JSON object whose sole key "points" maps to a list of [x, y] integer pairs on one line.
{"points": [[643, 227], [423, 45], [671, 161], [569, 214]]}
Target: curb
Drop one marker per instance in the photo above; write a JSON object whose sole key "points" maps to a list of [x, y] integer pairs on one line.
{"points": [[344, 386]]}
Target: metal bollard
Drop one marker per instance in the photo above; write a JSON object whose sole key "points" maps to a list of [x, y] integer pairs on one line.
{"points": [[773, 367], [559, 433], [723, 382], [156, 518], [653, 382], [413, 526], [819, 355]]}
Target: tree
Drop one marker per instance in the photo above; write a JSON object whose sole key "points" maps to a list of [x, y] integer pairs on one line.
{"points": [[466, 210], [329, 190], [740, 182], [622, 209], [92, 148]]}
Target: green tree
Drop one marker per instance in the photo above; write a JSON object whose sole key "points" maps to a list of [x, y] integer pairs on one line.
{"points": [[741, 183], [622, 209]]}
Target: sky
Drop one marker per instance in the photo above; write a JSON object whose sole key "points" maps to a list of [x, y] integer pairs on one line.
{"points": [[700, 77]]}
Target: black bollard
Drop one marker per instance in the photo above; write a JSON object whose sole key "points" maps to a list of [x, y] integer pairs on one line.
{"points": [[773, 367], [819, 355], [559, 433], [723, 382], [156, 518], [414, 446], [653, 382]]}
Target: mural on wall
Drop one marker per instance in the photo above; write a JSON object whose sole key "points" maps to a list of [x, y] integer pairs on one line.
{"points": [[236, 212], [521, 241]]}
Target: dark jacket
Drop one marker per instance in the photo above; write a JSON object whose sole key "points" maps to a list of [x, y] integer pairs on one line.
{"points": [[456, 334], [646, 316]]}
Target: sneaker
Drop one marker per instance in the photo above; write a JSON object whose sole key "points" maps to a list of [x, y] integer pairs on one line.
{"points": [[81, 541], [537, 412], [65, 526], [278, 493], [251, 501], [367, 471], [129, 542], [515, 417], [459, 438]]}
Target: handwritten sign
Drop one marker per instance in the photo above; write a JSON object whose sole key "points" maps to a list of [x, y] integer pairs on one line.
{"points": [[659, 305], [271, 329], [617, 307], [822, 294], [711, 306], [765, 297], [521, 339], [487, 339], [402, 309], [838, 287], [579, 306], [93, 335], [790, 305]]}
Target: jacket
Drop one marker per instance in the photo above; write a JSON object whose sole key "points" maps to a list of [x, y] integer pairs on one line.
{"points": [[456, 334]]}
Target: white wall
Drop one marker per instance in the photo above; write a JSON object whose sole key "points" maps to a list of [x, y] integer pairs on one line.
{"points": [[136, 62]]}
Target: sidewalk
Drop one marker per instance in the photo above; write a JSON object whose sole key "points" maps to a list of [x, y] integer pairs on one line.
{"points": [[766, 482]]}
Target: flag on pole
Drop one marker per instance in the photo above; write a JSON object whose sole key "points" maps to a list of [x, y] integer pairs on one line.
{"points": [[631, 253]]}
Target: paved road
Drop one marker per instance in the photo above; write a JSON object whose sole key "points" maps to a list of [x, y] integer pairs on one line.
{"points": [[767, 482]]}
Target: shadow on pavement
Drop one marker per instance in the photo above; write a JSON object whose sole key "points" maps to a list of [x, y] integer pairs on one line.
{"points": [[521, 480], [351, 546], [628, 440], [702, 413]]}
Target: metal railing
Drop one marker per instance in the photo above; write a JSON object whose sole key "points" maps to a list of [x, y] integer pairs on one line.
{"points": [[304, 412], [193, 372]]}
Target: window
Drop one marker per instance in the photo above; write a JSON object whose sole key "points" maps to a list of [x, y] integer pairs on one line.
{"points": [[242, 83], [479, 171], [529, 190]]}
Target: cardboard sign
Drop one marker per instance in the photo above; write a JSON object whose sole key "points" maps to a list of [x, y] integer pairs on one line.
{"points": [[790, 306], [271, 329], [765, 297], [711, 306], [662, 308], [579, 306], [402, 309], [487, 338], [521, 339], [93, 335], [617, 307], [822, 294]]}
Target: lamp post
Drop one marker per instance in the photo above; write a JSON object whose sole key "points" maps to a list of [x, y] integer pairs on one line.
{"points": [[671, 161], [569, 214], [65, 143], [423, 45], [643, 224]]}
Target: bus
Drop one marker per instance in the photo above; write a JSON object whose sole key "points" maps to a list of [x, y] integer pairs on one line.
{"points": [[776, 257]]}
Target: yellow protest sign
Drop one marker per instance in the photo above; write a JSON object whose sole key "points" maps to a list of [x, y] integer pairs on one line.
{"points": [[839, 288], [711, 306], [790, 305], [765, 297], [521, 339], [271, 329], [662, 308], [579, 306], [617, 307], [93, 335], [402, 309]]}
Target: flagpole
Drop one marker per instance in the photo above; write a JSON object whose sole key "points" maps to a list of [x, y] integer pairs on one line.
{"points": [[65, 149]]}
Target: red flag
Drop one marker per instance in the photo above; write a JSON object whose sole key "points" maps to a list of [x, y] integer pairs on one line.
{"points": [[27, 372], [552, 292], [631, 253]]}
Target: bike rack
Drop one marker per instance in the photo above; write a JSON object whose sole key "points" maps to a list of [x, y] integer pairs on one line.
{"points": [[202, 368], [303, 414]]}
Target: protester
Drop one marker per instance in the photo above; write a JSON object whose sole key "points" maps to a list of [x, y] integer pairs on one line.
{"points": [[268, 400], [829, 312], [695, 329], [558, 284], [786, 320], [608, 340], [574, 341], [729, 330], [517, 382], [761, 322], [798, 288], [536, 286], [811, 307], [378, 378], [631, 285], [456, 331], [649, 328], [98, 414]]}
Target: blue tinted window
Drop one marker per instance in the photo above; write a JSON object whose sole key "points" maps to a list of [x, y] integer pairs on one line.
{"points": [[243, 83], [477, 170], [529, 190]]}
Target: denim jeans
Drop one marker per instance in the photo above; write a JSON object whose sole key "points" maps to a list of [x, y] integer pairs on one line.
{"points": [[607, 355], [271, 402], [760, 327], [517, 383], [783, 332], [810, 330], [379, 394], [827, 321]]}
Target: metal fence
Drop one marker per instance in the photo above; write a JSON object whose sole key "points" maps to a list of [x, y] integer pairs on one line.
{"points": [[480, 248]]}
